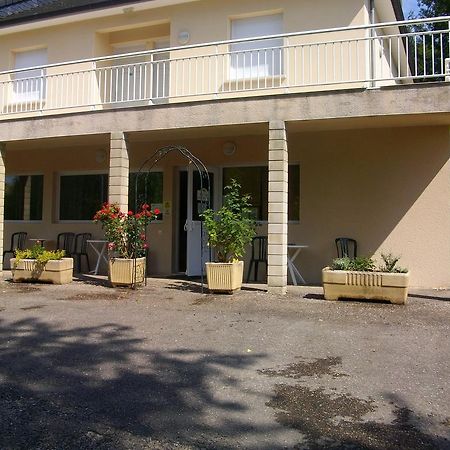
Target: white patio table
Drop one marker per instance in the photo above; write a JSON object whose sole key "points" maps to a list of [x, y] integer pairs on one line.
{"points": [[99, 247], [296, 276]]}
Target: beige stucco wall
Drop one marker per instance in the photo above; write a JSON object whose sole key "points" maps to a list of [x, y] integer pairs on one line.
{"points": [[388, 188], [207, 21]]}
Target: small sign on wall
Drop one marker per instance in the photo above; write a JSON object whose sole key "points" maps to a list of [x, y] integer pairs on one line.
{"points": [[167, 208]]}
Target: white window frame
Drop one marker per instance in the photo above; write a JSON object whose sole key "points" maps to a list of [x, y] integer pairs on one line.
{"points": [[58, 190], [30, 174]]}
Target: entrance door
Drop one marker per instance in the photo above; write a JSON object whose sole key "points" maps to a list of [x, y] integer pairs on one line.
{"points": [[192, 232]]}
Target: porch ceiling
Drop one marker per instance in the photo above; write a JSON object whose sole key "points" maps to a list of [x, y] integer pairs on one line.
{"points": [[355, 123], [227, 131], [93, 140]]}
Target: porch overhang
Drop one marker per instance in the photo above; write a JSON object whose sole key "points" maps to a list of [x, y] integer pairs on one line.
{"points": [[410, 105]]}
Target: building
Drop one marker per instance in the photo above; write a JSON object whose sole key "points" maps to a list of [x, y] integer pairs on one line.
{"points": [[329, 113]]}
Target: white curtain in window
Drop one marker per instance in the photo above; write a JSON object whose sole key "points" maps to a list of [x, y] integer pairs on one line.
{"points": [[259, 58]]}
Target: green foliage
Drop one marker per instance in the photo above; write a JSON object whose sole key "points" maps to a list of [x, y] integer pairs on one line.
{"points": [[428, 50], [361, 263], [434, 8], [39, 253], [232, 227], [341, 263], [365, 264], [390, 264]]}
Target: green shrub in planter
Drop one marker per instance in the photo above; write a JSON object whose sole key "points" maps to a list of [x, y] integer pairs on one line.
{"points": [[39, 253], [232, 227]]}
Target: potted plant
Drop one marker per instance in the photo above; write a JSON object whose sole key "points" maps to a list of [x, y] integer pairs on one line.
{"points": [[360, 278], [38, 264], [229, 229], [126, 234]]}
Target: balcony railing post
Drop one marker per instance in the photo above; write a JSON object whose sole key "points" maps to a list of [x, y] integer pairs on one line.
{"points": [[94, 85], [372, 36], [41, 90], [447, 58], [286, 65], [216, 72]]}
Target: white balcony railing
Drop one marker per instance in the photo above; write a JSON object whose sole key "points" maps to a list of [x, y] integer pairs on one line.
{"points": [[337, 58]]}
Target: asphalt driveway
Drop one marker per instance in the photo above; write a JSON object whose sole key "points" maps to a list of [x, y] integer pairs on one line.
{"points": [[89, 367]]}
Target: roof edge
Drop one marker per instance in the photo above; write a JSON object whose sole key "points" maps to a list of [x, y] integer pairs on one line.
{"points": [[71, 10], [398, 10]]}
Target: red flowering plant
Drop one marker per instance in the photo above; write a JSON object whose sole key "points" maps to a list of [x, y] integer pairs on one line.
{"points": [[125, 232]]}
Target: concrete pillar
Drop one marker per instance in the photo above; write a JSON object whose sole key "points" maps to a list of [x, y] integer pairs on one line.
{"points": [[2, 201], [119, 167], [278, 208]]}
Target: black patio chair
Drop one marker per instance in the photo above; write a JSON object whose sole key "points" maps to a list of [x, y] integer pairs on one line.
{"points": [[80, 249], [64, 241], [346, 247], [259, 255], [17, 243]]}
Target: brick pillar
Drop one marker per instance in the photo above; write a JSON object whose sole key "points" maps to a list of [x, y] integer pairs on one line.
{"points": [[278, 208], [119, 166], [2, 201]]}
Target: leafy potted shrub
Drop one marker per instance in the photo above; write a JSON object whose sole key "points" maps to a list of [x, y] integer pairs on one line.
{"points": [[127, 246], [38, 264], [361, 278], [229, 229]]}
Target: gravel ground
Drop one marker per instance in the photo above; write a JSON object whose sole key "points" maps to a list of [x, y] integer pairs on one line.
{"points": [[84, 366]]}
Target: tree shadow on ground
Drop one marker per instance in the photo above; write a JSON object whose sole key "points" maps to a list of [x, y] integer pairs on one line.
{"points": [[332, 420], [99, 387]]}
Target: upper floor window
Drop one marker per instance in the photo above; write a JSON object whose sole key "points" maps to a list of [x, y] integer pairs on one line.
{"points": [[259, 58], [23, 197], [29, 85]]}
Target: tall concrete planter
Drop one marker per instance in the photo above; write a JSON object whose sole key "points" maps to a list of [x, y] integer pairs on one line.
{"points": [[54, 271], [225, 277], [392, 287], [126, 272]]}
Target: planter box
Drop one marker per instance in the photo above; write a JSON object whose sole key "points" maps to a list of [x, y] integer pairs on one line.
{"points": [[225, 277], [56, 272], [365, 285], [122, 271]]}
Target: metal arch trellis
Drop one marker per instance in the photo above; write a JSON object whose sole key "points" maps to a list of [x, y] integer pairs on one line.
{"points": [[205, 202]]}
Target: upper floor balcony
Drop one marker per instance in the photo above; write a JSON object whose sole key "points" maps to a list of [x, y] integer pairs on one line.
{"points": [[311, 61]]}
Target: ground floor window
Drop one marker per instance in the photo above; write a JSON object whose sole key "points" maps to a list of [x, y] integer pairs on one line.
{"points": [[149, 190], [82, 195], [254, 181], [24, 197]]}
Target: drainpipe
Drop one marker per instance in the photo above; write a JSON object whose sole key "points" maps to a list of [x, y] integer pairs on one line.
{"points": [[372, 34], [2, 200]]}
